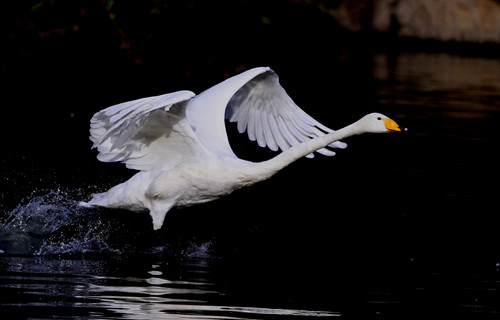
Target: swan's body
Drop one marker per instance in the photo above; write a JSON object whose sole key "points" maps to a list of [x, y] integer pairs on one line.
{"points": [[178, 142]]}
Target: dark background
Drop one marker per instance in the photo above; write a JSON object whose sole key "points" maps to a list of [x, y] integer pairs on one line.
{"points": [[63, 61], [413, 214]]}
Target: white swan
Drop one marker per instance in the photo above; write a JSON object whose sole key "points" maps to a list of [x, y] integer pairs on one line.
{"points": [[178, 142]]}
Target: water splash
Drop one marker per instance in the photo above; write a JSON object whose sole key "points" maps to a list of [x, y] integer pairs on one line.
{"points": [[201, 251], [51, 222], [54, 223], [92, 238], [41, 214]]}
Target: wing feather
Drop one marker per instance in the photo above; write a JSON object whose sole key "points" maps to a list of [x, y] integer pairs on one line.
{"points": [[263, 109], [278, 135], [145, 134], [251, 125], [289, 137], [243, 122], [260, 130], [268, 133]]}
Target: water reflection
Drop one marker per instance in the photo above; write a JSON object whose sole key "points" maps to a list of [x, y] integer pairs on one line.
{"points": [[88, 288], [158, 297], [438, 71], [458, 87], [183, 301]]}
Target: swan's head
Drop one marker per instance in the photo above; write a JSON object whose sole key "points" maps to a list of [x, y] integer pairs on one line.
{"points": [[378, 123]]}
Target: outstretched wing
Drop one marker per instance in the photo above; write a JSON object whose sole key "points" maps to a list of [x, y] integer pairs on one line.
{"points": [[263, 109], [146, 134]]}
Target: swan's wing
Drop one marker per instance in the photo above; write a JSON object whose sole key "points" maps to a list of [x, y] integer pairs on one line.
{"points": [[263, 109], [206, 111], [146, 134]]}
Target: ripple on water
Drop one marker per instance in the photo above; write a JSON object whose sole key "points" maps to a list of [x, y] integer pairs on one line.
{"points": [[155, 291]]}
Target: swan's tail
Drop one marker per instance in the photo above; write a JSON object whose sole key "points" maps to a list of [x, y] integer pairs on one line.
{"points": [[115, 198], [85, 204], [98, 200]]}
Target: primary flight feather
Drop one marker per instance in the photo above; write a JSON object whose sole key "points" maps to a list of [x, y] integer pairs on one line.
{"points": [[179, 144]]}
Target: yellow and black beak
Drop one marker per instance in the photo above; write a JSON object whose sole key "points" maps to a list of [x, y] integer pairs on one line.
{"points": [[391, 125]]}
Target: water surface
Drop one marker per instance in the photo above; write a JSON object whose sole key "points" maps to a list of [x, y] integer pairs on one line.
{"points": [[394, 226]]}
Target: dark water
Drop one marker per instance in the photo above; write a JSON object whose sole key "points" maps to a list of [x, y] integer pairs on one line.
{"points": [[395, 226]]}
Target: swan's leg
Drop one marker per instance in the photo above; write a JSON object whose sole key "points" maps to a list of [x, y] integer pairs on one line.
{"points": [[158, 212]]}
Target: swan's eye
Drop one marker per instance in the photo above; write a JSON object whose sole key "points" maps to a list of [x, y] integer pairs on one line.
{"points": [[379, 118]]}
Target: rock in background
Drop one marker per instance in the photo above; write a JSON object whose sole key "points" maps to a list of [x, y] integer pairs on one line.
{"points": [[458, 20]]}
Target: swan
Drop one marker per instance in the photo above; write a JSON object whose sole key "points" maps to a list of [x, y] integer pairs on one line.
{"points": [[179, 145]]}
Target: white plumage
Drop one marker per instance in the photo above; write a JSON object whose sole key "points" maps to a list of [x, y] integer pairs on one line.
{"points": [[178, 141]]}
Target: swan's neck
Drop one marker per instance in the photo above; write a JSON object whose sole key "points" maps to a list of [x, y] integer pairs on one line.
{"points": [[268, 168]]}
